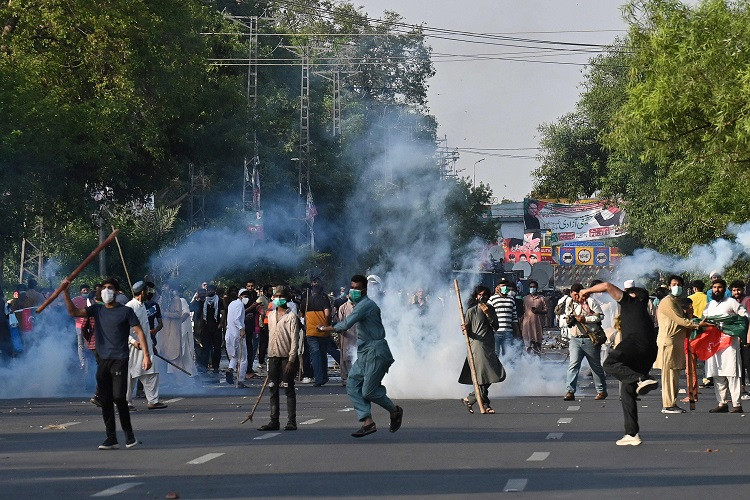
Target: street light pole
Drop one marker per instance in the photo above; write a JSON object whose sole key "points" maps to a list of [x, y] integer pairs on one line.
{"points": [[475, 171]]}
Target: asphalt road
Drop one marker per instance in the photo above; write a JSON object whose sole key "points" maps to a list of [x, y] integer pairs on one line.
{"points": [[539, 446]]}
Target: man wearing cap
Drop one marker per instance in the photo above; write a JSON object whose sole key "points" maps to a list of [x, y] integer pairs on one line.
{"points": [[714, 277], [283, 340], [149, 378], [364, 385], [631, 360], [673, 328], [235, 337], [507, 316]]}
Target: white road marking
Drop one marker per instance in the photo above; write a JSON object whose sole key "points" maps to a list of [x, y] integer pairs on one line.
{"points": [[205, 458], [574, 408], [311, 421], [173, 400], [565, 421], [268, 436], [347, 409], [515, 485], [538, 456], [114, 490], [555, 435]]}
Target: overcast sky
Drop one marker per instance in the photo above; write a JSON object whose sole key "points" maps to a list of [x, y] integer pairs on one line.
{"points": [[493, 103]]}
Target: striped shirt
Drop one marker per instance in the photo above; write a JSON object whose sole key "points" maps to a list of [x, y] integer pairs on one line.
{"points": [[505, 309]]}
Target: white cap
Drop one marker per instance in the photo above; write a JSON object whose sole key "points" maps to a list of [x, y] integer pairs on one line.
{"points": [[241, 290], [714, 273], [629, 284]]}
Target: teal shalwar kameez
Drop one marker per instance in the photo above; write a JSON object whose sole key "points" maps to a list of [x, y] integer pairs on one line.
{"points": [[364, 385]]}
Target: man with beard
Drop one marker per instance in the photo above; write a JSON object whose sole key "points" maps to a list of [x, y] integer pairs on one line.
{"points": [[316, 310], [535, 308], [235, 338], [634, 355], [364, 385], [480, 324], [211, 315], [737, 288]]}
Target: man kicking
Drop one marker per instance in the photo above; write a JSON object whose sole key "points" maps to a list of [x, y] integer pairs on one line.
{"points": [[364, 384]]}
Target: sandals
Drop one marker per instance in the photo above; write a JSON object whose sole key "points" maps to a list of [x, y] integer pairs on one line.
{"points": [[489, 410], [467, 405]]}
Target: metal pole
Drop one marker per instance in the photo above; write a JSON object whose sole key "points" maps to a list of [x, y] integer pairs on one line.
{"points": [[475, 171]]}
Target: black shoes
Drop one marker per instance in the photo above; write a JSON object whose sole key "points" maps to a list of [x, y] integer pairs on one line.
{"points": [[230, 377], [109, 444], [569, 396], [156, 406], [396, 419], [95, 401], [719, 409], [130, 441], [364, 430], [270, 426], [290, 426]]}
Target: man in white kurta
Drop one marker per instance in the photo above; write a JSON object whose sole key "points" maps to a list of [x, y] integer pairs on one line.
{"points": [[725, 366], [235, 337], [149, 378]]}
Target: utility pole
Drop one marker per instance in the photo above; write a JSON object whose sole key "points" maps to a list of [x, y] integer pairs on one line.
{"points": [[198, 185], [32, 251]]}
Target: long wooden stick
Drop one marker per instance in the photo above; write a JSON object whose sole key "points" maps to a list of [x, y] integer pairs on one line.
{"points": [[176, 366], [469, 354], [691, 388], [122, 258], [257, 401], [78, 270]]}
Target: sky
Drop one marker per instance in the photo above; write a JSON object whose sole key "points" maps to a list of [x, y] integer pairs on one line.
{"points": [[499, 104]]}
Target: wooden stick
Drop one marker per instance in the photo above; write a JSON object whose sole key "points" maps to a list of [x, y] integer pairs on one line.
{"points": [[469, 354], [176, 366], [122, 258], [691, 389], [78, 270], [257, 401]]}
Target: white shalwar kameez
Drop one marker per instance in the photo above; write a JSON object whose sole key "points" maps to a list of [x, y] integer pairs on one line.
{"points": [[235, 323], [149, 378], [724, 367]]}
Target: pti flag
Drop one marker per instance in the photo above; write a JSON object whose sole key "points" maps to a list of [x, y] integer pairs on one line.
{"points": [[256, 183], [310, 211], [718, 337]]}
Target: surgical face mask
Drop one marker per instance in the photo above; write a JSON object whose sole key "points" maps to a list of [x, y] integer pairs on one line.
{"points": [[355, 295], [532, 290], [108, 295], [676, 290], [504, 290], [245, 300], [278, 302]]}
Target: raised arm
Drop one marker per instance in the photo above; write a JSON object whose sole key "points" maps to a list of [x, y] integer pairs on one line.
{"points": [[74, 311], [607, 287]]}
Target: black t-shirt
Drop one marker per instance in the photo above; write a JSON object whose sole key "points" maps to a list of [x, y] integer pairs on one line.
{"points": [[112, 328], [154, 312], [636, 325], [316, 302]]}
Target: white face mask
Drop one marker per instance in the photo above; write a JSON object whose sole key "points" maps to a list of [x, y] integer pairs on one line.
{"points": [[677, 290], [108, 295], [245, 300]]}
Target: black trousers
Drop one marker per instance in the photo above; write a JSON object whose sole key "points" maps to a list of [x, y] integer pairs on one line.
{"points": [[211, 340], [484, 394], [618, 368], [263, 344], [276, 376], [112, 384], [307, 369]]}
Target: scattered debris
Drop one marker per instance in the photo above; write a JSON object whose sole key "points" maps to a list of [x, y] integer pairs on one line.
{"points": [[172, 494]]}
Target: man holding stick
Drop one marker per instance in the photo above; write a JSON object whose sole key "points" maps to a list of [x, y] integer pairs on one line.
{"points": [[364, 385], [113, 322]]}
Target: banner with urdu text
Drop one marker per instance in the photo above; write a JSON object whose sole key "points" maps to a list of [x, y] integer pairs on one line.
{"points": [[591, 220]]}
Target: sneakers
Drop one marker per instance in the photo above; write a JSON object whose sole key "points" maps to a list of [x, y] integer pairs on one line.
{"points": [[364, 430], [95, 401], [132, 408], [130, 442], [306, 380], [601, 395], [672, 409], [109, 444], [646, 385], [156, 406], [745, 397], [396, 419], [628, 440], [719, 409], [290, 426], [569, 396], [273, 425], [737, 409]]}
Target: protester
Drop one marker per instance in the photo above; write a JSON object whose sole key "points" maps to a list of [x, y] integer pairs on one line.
{"points": [[724, 366], [317, 312], [480, 323], [673, 328], [113, 323], [737, 288], [211, 337], [630, 361], [150, 377], [507, 316], [169, 339], [697, 297], [197, 304], [235, 338], [348, 340], [283, 337], [364, 385], [582, 315], [560, 307], [535, 308]]}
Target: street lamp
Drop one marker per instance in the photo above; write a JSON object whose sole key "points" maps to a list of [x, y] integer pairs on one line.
{"points": [[475, 171]]}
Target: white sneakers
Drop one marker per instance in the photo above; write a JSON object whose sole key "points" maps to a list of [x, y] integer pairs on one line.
{"points": [[646, 385], [306, 380], [628, 440]]}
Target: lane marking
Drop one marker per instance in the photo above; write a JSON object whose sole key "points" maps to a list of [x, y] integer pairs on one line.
{"points": [[173, 400], [565, 421], [515, 485], [347, 409], [114, 490], [538, 456], [205, 458], [268, 436], [554, 435], [574, 408], [311, 421]]}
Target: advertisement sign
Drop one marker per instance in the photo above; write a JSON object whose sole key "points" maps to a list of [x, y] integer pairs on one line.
{"points": [[584, 256], [586, 221], [567, 256], [533, 248]]}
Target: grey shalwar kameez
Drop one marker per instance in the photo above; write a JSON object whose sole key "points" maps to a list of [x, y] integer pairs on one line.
{"points": [[480, 328], [364, 384]]}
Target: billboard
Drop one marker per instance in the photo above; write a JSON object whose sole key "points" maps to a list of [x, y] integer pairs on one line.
{"points": [[592, 220]]}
